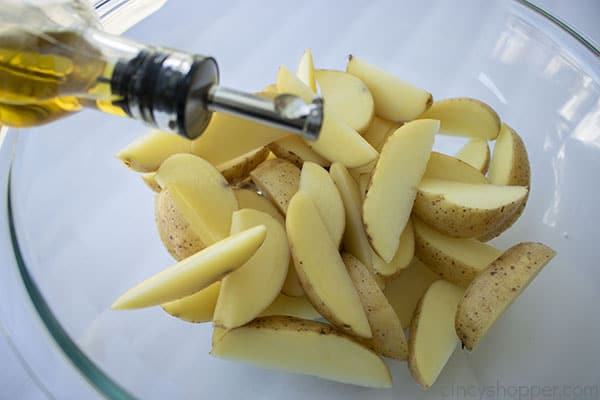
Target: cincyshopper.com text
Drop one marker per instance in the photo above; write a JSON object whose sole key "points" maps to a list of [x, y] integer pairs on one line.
{"points": [[521, 392]]}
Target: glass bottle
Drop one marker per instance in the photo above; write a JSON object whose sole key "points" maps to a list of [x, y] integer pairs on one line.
{"points": [[55, 59]]}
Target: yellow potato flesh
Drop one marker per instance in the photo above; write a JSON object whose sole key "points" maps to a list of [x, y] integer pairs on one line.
{"points": [[389, 199], [148, 178], [149, 151], [294, 149], [465, 117], [347, 96], [321, 270], [315, 181], [457, 260], [250, 199], [298, 307], [355, 152], [379, 130], [395, 99], [476, 153], [406, 289], [199, 307], [279, 180], [403, 256], [442, 166], [432, 335], [195, 272], [306, 70], [296, 345]]}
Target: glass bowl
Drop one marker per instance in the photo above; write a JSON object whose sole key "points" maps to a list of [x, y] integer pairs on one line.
{"points": [[80, 227]]}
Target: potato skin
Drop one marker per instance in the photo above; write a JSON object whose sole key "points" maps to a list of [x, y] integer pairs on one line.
{"points": [[457, 221], [492, 291], [240, 170], [449, 268], [175, 232], [520, 175], [279, 180]]}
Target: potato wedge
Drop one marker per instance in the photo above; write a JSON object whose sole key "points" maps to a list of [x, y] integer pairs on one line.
{"points": [[149, 151], [315, 181], [379, 130], [432, 337], [239, 168], [355, 152], [292, 286], [294, 149], [466, 117], [148, 178], [228, 137], [250, 199], [509, 166], [456, 260], [347, 96], [269, 89], [297, 345], [406, 289], [195, 272], [394, 99], [196, 308], [247, 291], [306, 70], [200, 194], [442, 166], [388, 336], [321, 270], [496, 288], [174, 229], [403, 256], [465, 210], [476, 153], [298, 307], [390, 197], [355, 239], [277, 179]]}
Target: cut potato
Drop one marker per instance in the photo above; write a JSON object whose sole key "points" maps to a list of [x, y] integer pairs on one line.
{"points": [[195, 272], [509, 166], [496, 287], [403, 256], [432, 335], [297, 345], [200, 194], [306, 70], [379, 130], [196, 308], [395, 99], [149, 151], [347, 96], [228, 137], [298, 307], [270, 89], [364, 180], [406, 289], [355, 239], [250, 199], [392, 190], [148, 178], [294, 149], [465, 117], [247, 291], [239, 168], [388, 336], [355, 152], [476, 153], [442, 166], [464, 209], [279, 180], [315, 181], [292, 286], [321, 270], [456, 260], [174, 229]]}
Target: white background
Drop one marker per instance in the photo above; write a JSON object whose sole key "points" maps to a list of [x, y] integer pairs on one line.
{"points": [[15, 382]]}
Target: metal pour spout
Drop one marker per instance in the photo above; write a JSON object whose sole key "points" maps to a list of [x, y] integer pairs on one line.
{"points": [[285, 111]]}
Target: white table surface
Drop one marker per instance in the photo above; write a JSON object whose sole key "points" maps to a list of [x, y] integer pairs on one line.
{"points": [[16, 383]]}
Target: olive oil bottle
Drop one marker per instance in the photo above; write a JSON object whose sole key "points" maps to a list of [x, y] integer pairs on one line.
{"points": [[55, 60]]}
